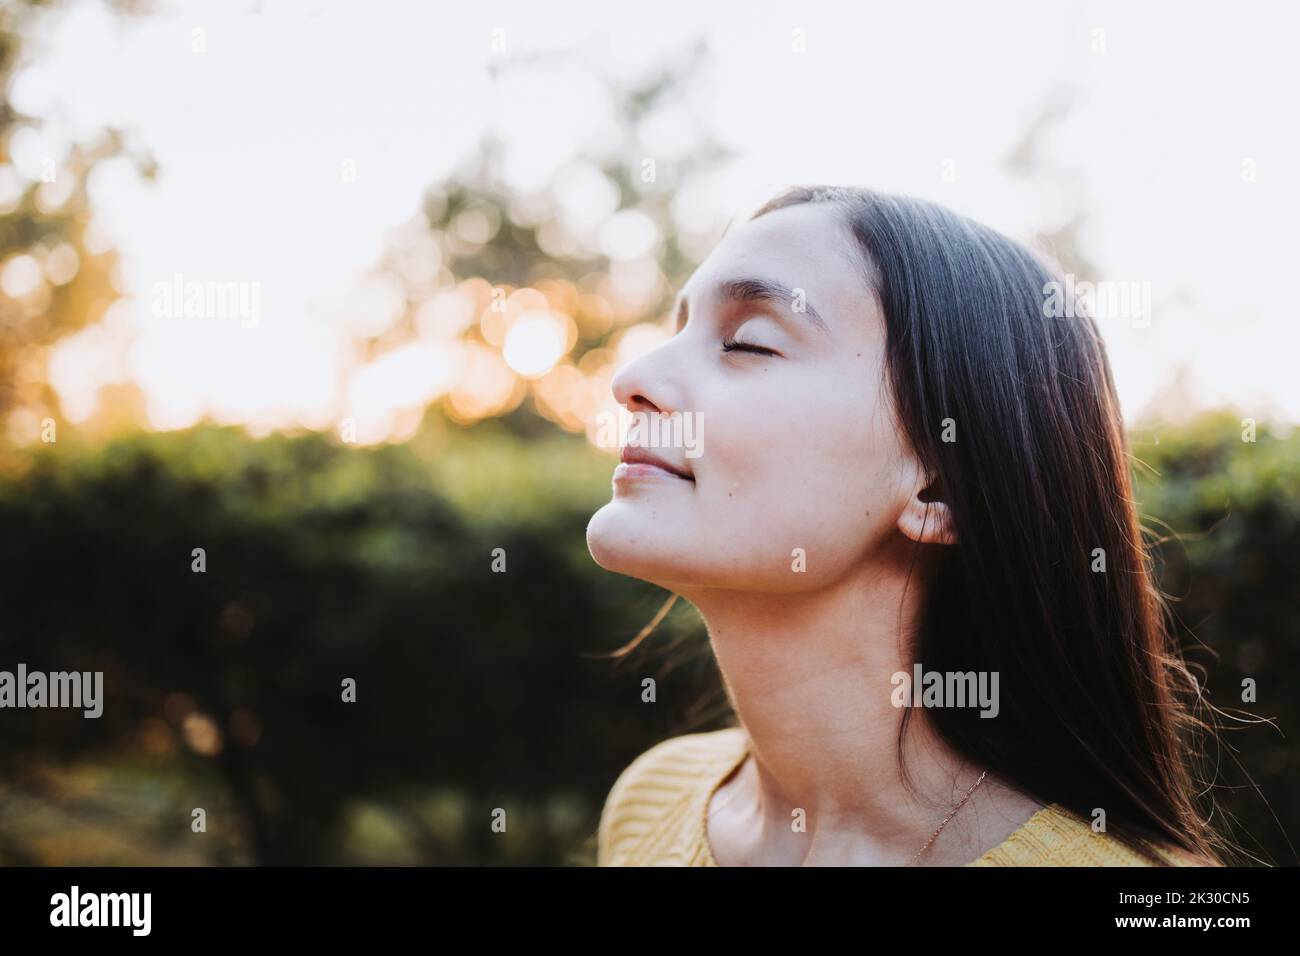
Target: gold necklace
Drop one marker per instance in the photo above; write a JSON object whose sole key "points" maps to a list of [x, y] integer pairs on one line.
{"points": [[709, 811], [936, 833]]}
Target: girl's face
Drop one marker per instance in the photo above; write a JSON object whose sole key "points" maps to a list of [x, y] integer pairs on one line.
{"points": [[798, 453]]}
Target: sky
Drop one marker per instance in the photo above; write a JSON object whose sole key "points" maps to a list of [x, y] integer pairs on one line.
{"points": [[1181, 147]]}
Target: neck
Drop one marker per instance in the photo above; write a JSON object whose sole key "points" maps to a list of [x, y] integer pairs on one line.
{"points": [[808, 674]]}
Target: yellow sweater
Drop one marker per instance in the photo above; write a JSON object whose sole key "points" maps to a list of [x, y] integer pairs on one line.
{"points": [[655, 815]]}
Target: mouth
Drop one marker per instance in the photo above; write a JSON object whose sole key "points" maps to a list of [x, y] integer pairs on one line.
{"points": [[640, 463]]}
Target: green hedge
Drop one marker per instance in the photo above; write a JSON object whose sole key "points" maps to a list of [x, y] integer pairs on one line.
{"points": [[475, 690]]}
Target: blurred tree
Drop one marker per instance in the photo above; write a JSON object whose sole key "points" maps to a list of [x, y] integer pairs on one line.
{"points": [[55, 272], [1029, 160], [502, 254]]}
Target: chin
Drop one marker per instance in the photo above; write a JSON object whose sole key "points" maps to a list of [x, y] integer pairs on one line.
{"points": [[624, 542]]}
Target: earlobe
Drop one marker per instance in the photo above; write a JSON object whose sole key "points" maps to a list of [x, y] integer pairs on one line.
{"points": [[927, 521]]}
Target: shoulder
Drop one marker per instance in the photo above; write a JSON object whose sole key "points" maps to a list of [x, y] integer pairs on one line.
{"points": [[659, 783], [677, 763], [1059, 836]]}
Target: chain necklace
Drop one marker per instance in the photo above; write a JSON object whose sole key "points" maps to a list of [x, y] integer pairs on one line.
{"points": [[709, 811], [936, 833]]}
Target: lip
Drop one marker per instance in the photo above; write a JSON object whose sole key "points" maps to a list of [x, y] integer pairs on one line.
{"points": [[640, 463]]}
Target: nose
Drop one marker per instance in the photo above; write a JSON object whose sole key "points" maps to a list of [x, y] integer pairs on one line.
{"points": [[646, 384]]}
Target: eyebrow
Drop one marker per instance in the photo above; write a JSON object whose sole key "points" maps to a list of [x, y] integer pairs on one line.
{"points": [[752, 289]]}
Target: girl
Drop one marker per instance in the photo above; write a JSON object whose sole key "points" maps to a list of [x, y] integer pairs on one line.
{"points": [[909, 457]]}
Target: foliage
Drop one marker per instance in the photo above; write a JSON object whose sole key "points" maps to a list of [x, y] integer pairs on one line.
{"points": [[1225, 513], [325, 563], [478, 690]]}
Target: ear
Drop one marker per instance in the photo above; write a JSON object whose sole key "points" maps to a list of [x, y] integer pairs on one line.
{"points": [[926, 518]]}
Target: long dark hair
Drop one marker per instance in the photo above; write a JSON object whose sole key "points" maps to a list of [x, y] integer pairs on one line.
{"points": [[1097, 707]]}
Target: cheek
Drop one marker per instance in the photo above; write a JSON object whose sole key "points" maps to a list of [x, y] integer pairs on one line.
{"points": [[817, 471]]}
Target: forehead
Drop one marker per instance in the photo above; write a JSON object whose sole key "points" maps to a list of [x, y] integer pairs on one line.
{"points": [[806, 246]]}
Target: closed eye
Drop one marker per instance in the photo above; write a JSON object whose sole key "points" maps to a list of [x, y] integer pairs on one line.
{"points": [[737, 346]]}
